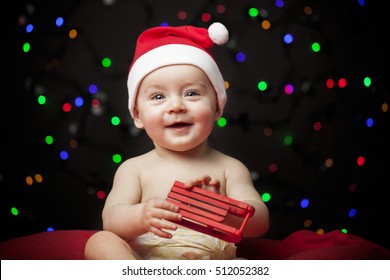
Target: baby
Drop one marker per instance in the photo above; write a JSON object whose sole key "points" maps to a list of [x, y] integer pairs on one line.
{"points": [[176, 94]]}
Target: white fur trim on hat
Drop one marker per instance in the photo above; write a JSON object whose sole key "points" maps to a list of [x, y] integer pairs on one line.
{"points": [[175, 54]]}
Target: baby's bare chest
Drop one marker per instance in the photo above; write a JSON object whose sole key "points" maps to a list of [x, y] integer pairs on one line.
{"points": [[157, 181]]}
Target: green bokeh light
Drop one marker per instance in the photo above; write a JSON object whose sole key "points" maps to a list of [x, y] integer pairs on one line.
{"points": [[266, 197], [115, 120], [49, 139], [315, 47], [367, 81], [26, 47], [253, 12], [106, 62], [222, 122], [42, 100], [262, 85], [14, 211], [117, 158], [288, 140]]}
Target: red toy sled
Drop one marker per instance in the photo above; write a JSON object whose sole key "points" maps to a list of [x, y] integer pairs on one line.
{"points": [[206, 211]]}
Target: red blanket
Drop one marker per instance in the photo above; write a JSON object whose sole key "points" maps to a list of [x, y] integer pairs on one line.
{"points": [[302, 244]]}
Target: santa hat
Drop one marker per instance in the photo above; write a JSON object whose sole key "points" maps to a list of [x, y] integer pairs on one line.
{"points": [[165, 45]]}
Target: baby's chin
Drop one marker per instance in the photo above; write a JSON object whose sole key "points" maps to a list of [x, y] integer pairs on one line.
{"points": [[186, 147]]}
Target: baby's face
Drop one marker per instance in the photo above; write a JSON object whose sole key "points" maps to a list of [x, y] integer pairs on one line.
{"points": [[177, 107]]}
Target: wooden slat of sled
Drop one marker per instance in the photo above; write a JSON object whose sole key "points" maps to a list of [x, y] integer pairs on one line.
{"points": [[206, 211]]}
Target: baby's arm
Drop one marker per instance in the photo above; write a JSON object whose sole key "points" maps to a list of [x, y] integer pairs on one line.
{"points": [[239, 185], [123, 213]]}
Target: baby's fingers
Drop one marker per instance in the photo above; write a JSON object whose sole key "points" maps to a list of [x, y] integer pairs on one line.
{"points": [[158, 227], [198, 182], [160, 232], [169, 215], [167, 206], [161, 204], [167, 211]]}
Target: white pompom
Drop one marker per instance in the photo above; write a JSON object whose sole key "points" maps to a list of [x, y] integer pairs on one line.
{"points": [[218, 33]]}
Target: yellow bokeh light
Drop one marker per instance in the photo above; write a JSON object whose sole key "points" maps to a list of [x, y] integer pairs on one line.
{"points": [[227, 84], [307, 223], [328, 163], [29, 180], [38, 178], [73, 34], [266, 24]]}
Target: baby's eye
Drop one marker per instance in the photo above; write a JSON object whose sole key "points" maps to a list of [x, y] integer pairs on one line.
{"points": [[157, 96], [192, 93]]}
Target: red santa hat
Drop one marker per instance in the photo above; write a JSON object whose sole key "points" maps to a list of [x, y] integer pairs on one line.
{"points": [[165, 45]]}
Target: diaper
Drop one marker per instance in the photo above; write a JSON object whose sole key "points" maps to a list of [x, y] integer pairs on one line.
{"points": [[184, 244]]}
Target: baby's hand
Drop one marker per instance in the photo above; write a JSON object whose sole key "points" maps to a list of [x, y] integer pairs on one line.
{"points": [[204, 182], [156, 215]]}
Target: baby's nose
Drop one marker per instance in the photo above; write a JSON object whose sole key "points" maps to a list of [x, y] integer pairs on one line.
{"points": [[176, 104]]}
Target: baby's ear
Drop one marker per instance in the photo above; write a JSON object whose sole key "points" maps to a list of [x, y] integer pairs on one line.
{"points": [[137, 119], [218, 114]]}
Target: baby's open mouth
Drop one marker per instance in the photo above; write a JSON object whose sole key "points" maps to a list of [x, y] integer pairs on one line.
{"points": [[179, 125]]}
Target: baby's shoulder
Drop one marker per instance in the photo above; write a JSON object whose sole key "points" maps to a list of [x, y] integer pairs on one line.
{"points": [[135, 163], [226, 159]]}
